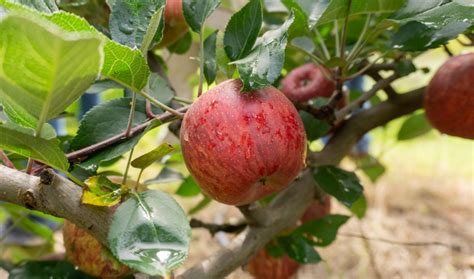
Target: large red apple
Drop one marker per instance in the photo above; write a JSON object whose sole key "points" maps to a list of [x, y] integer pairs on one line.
{"points": [[307, 82], [85, 252], [242, 146], [449, 98], [263, 266], [175, 24]]}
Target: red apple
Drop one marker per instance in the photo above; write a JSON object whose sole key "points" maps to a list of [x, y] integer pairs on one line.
{"points": [[264, 266], [242, 146], [85, 252], [175, 24], [449, 98], [307, 82]]}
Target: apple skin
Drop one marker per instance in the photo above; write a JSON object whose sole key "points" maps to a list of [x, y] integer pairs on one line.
{"points": [[307, 82], [85, 252], [449, 98], [175, 24], [264, 266], [242, 146]]}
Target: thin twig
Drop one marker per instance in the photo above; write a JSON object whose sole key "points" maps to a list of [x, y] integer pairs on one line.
{"points": [[29, 166], [447, 50], [359, 43], [4, 158], [131, 115], [344, 29], [215, 228], [160, 104], [182, 100], [341, 114], [391, 93], [365, 68], [127, 167], [321, 42], [370, 253]]}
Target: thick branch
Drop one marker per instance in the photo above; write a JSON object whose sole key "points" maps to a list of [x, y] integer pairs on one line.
{"points": [[55, 195]]}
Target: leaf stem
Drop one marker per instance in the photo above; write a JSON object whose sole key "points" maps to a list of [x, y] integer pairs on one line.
{"points": [[336, 37], [201, 61], [160, 104], [138, 178], [131, 115], [344, 29], [360, 42], [323, 45], [182, 100], [4, 158], [127, 167]]}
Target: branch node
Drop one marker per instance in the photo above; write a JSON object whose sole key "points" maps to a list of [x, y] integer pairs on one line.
{"points": [[28, 199], [47, 177]]}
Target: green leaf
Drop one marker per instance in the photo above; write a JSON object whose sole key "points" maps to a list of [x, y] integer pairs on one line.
{"points": [[210, 65], [242, 30], [126, 66], [223, 62], [359, 207], [415, 7], [405, 67], [324, 229], [22, 141], [298, 248], [159, 89], [150, 233], [182, 45], [104, 121], [102, 192], [371, 167], [47, 6], [341, 184], [189, 188], [38, 81], [263, 65], [433, 27], [197, 11], [130, 21], [414, 126], [337, 9], [166, 175], [315, 128], [47, 269], [274, 6], [147, 159], [312, 9], [201, 205]]}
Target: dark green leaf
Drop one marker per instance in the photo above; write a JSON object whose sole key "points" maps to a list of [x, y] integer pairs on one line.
{"points": [[147, 159], [210, 65], [312, 9], [201, 205], [315, 128], [130, 20], [414, 126], [226, 70], [182, 45], [159, 89], [275, 250], [22, 141], [150, 233], [46, 6], [166, 175], [405, 67], [324, 229], [263, 65], [415, 7], [341, 184], [102, 192], [188, 188], [197, 11], [299, 248], [242, 30], [47, 269], [299, 28], [274, 6], [359, 207]]}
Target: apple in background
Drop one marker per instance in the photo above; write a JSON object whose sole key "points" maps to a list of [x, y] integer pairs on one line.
{"points": [[85, 252], [307, 82], [175, 24], [242, 146], [264, 266], [449, 98]]}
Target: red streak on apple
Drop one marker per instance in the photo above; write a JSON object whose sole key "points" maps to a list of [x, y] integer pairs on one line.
{"points": [[307, 82], [449, 98], [264, 266], [242, 146]]}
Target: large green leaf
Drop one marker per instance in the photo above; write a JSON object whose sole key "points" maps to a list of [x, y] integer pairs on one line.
{"points": [[299, 248], [39, 80], [189, 188], [341, 184], [102, 192], [197, 11], [147, 159], [150, 233], [324, 229], [433, 27], [22, 141], [337, 9], [263, 65], [312, 9], [47, 6], [210, 64], [131, 19], [242, 30], [415, 7]]}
